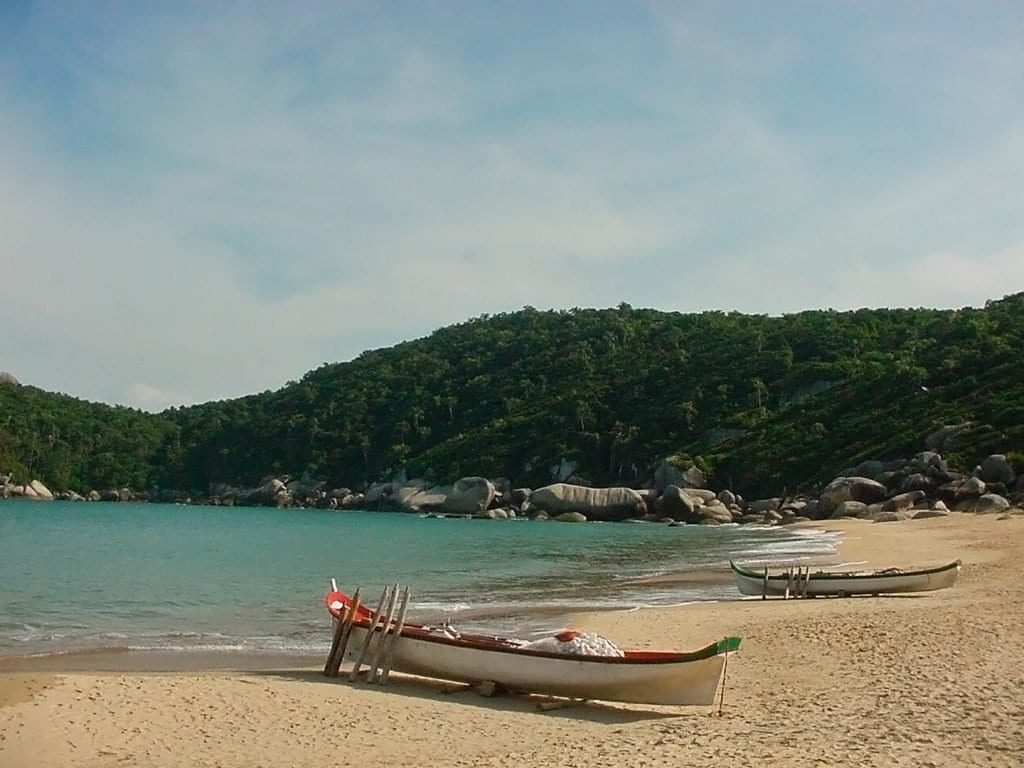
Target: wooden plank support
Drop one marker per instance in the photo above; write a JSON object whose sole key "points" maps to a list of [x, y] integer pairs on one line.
{"points": [[339, 630], [389, 654], [353, 615], [378, 654], [764, 586], [370, 633], [342, 632]]}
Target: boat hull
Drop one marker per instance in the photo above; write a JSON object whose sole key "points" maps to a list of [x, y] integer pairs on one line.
{"points": [[690, 682], [822, 584]]}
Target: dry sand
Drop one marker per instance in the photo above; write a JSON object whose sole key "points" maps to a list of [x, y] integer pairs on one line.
{"points": [[928, 680]]}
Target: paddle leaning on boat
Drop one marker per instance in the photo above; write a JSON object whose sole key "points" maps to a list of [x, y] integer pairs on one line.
{"points": [[569, 664], [807, 583]]}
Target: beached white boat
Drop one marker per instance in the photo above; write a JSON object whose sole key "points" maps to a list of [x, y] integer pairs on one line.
{"points": [[829, 583], [645, 677]]}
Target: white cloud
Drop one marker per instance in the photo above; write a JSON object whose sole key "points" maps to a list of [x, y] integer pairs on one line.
{"points": [[944, 279], [150, 398]]}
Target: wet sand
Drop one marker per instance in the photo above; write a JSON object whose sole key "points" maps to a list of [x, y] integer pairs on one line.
{"points": [[927, 680]]}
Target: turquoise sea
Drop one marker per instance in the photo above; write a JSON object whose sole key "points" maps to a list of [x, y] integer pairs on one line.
{"points": [[79, 576]]}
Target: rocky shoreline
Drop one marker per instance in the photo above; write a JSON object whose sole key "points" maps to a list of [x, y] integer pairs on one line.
{"points": [[882, 491]]}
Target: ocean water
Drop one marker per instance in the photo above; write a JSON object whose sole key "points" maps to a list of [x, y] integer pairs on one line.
{"points": [[94, 576]]}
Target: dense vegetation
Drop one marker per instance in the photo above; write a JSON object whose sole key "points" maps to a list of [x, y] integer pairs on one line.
{"points": [[761, 403]]}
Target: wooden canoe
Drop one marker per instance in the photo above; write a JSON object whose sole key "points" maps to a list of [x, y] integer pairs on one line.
{"points": [[828, 583], [640, 676]]}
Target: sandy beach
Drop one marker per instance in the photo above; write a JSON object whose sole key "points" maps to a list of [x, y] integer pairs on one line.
{"points": [[927, 680]]}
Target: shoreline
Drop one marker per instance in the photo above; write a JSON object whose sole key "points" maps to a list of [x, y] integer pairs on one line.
{"points": [[528, 619]]}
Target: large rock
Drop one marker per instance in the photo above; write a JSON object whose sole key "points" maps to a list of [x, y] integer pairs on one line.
{"points": [[849, 508], [470, 495], [675, 503], [919, 481], [40, 491], [693, 478], [352, 501], [759, 506], [416, 498], [307, 491], [669, 474], [890, 479], [606, 504], [376, 494], [267, 492], [985, 504], [996, 469], [35, 491], [700, 495], [903, 501], [947, 437], [519, 495], [960, 491], [926, 459], [849, 489], [714, 514], [802, 507], [8, 378]]}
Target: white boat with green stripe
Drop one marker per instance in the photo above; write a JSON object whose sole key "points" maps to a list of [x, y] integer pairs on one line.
{"points": [[766, 582]]}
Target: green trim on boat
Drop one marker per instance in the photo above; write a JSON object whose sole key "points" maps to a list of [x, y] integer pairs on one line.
{"points": [[728, 644]]}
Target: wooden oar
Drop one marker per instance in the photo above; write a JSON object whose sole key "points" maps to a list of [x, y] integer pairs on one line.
{"points": [[369, 634], [378, 654], [389, 655]]}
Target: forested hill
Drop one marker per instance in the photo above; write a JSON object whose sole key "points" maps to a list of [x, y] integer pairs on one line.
{"points": [[761, 403]]}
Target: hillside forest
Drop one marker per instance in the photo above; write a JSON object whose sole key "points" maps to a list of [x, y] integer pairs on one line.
{"points": [[762, 404]]}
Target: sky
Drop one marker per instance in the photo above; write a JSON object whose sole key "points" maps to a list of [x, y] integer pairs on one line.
{"points": [[200, 201]]}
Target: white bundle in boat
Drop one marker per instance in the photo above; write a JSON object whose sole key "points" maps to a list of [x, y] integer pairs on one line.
{"points": [[577, 643]]}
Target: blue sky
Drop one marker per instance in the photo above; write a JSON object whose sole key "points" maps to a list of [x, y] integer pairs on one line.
{"points": [[204, 200]]}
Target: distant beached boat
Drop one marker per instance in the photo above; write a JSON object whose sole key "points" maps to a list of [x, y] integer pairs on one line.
{"points": [[637, 676], [829, 583]]}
